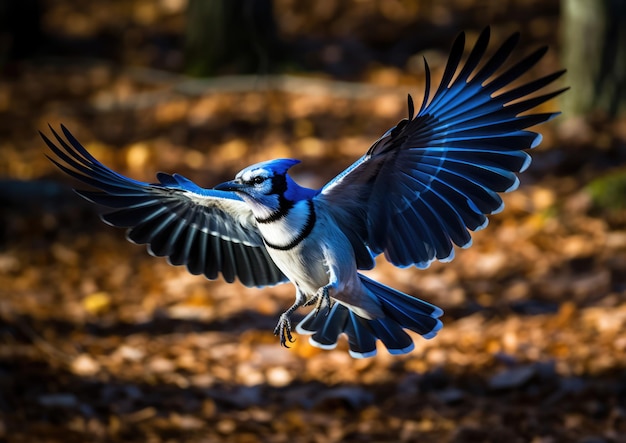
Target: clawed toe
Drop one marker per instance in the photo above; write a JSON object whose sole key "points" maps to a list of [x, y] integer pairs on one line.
{"points": [[322, 298], [283, 330], [283, 327]]}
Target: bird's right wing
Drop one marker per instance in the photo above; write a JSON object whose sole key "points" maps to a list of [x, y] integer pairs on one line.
{"points": [[210, 231]]}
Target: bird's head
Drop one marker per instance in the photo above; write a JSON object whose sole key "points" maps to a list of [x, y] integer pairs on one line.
{"points": [[267, 187]]}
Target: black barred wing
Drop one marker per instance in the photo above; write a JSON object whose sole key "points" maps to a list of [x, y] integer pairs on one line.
{"points": [[209, 231], [432, 178]]}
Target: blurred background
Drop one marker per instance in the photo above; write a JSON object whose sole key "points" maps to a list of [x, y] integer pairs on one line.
{"points": [[101, 342]]}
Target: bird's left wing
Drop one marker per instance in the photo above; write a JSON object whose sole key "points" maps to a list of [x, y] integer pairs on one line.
{"points": [[210, 231], [431, 178]]}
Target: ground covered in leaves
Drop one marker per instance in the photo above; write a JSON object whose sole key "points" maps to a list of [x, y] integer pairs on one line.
{"points": [[101, 342]]}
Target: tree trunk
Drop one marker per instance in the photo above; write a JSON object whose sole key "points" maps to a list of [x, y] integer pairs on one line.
{"points": [[594, 40], [229, 36]]}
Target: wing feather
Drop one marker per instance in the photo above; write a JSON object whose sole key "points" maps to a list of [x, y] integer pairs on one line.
{"points": [[433, 177], [209, 231]]}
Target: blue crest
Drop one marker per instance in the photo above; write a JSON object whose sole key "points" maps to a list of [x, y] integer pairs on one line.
{"points": [[278, 166]]}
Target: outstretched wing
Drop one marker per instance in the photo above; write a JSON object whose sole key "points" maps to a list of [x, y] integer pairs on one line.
{"points": [[210, 231], [431, 178]]}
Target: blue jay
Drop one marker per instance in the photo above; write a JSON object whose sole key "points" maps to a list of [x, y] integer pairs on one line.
{"points": [[415, 194]]}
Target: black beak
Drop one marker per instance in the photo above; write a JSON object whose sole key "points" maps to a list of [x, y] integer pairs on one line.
{"points": [[233, 186]]}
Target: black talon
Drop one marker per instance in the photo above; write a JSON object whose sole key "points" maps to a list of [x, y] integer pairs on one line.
{"points": [[321, 299], [283, 330], [318, 305]]}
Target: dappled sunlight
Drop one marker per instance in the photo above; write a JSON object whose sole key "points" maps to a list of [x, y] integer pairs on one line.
{"points": [[101, 341]]}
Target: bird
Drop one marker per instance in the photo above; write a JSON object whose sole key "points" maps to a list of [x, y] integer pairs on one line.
{"points": [[414, 196]]}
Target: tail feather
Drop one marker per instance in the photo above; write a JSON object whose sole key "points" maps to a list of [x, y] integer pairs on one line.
{"points": [[361, 339], [325, 328], [401, 312], [409, 312], [392, 335]]}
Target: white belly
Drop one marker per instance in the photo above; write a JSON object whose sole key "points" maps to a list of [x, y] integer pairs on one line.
{"points": [[307, 265], [326, 257]]}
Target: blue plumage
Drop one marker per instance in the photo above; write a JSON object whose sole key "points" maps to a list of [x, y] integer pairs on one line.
{"points": [[418, 191]]}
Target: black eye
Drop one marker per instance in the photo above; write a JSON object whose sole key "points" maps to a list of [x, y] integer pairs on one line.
{"points": [[258, 180]]}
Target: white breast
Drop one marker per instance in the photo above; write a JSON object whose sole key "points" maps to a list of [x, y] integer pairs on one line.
{"points": [[287, 229]]}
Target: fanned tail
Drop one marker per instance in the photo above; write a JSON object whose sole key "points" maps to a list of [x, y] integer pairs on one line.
{"points": [[401, 311]]}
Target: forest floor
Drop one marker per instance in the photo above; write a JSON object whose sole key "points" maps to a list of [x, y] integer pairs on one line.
{"points": [[101, 342]]}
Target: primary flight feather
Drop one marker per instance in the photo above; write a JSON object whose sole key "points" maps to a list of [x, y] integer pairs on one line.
{"points": [[416, 193]]}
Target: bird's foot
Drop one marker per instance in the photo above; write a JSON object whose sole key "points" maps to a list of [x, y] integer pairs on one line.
{"points": [[323, 298], [283, 330]]}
